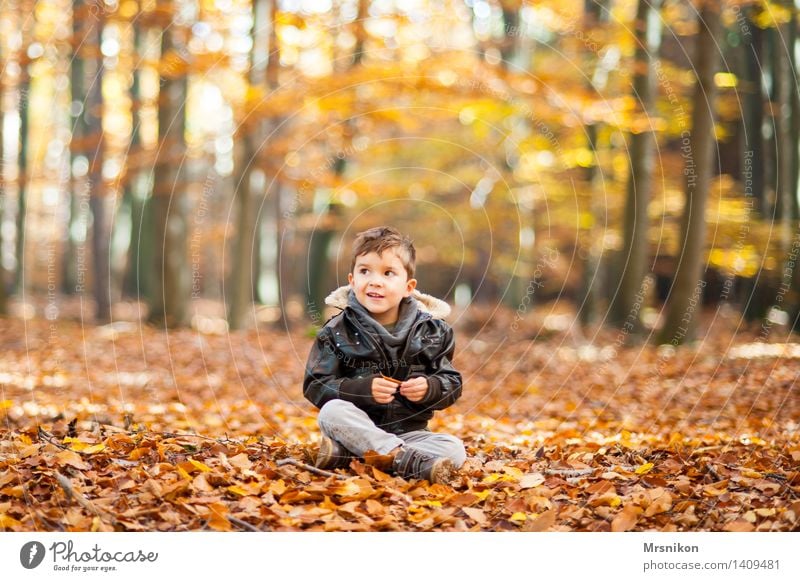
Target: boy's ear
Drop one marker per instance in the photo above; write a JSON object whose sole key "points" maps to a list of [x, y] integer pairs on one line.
{"points": [[350, 278], [411, 285]]}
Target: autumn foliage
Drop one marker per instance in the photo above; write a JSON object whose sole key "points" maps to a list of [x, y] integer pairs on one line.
{"points": [[126, 428]]}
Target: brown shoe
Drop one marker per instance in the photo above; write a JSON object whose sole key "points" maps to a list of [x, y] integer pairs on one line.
{"points": [[412, 463], [332, 455]]}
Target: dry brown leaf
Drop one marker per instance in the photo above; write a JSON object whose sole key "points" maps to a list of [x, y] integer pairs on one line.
{"points": [[626, 519], [739, 526], [542, 523]]}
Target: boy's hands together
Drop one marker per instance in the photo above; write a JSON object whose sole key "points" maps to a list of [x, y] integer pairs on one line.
{"points": [[384, 390]]}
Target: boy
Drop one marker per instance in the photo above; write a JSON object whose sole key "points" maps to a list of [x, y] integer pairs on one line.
{"points": [[379, 369]]}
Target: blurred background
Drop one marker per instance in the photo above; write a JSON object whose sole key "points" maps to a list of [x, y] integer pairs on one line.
{"points": [[612, 163]]}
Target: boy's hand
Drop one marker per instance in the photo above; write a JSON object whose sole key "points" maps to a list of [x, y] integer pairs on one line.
{"points": [[383, 390], [414, 389]]}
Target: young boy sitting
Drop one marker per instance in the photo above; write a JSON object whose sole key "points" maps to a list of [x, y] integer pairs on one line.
{"points": [[380, 368]]}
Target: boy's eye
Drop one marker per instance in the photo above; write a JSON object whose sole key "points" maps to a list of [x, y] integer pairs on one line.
{"points": [[363, 271], [389, 273]]}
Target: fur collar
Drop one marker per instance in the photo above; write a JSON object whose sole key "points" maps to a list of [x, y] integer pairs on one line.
{"points": [[437, 308]]}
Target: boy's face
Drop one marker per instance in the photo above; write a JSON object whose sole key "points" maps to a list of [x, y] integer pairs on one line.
{"points": [[380, 282]]}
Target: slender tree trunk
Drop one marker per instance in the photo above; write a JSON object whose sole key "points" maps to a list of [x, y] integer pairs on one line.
{"points": [[171, 276], [250, 192], [595, 14], [135, 279], [3, 202], [685, 298], [23, 175], [624, 311], [753, 117], [754, 151], [794, 113], [785, 86], [76, 223], [101, 270]]}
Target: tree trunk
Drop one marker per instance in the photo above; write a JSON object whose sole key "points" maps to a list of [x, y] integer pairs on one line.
{"points": [[3, 202], [101, 271], [624, 311], [135, 280], [595, 14], [753, 115], [785, 86], [249, 190], [170, 276], [22, 180], [794, 114], [686, 293]]}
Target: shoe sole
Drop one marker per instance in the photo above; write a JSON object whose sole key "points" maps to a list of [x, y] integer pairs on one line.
{"points": [[442, 472], [325, 457]]}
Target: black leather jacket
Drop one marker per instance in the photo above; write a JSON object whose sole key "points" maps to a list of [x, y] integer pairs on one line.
{"points": [[352, 349]]}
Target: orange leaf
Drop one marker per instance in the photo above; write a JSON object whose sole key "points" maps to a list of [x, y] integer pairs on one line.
{"points": [[218, 518], [475, 514], [660, 501], [241, 461], [7, 522], [626, 519], [545, 521], [739, 526], [71, 458]]}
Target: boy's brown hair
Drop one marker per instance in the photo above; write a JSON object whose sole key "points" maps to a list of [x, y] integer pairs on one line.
{"points": [[382, 238]]}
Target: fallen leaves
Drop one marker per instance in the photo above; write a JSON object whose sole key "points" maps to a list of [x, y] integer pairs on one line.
{"points": [[217, 446]]}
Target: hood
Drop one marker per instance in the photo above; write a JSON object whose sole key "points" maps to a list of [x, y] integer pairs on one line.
{"points": [[437, 308]]}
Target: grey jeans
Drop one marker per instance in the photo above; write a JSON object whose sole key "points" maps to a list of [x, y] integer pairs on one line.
{"points": [[351, 426]]}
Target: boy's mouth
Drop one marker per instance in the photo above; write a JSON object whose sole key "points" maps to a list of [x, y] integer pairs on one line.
{"points": [[374, 295]]}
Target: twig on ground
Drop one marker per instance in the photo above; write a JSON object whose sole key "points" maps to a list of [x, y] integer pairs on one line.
{"points": [[312, 469], [66, 484], [243, 524], [50, 438]]}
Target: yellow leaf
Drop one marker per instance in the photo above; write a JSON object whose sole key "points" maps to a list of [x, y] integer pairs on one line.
{"points": [[93, 449], [644, 468], [75, 444], [8, 521], [25, 439], [238, 490], [514, 473], [348, 488], [183, 474], [277, 487], [518, 517], [483, 494], [199, 465], [433, 503], [5, 404]]}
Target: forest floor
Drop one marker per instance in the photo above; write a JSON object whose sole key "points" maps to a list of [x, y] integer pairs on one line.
{"points": [[123, 427]]}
